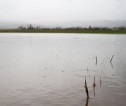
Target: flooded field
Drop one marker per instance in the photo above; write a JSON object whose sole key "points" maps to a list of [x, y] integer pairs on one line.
{"points": [[50, 69]]}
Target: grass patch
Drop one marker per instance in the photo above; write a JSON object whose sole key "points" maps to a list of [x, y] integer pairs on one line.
{"points": [[64, 31]]}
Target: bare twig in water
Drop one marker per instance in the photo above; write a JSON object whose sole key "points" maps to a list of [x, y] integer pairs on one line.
{"points": [[94, 82], [96, 60], [86, 89], [94, 91], [111, 59]]}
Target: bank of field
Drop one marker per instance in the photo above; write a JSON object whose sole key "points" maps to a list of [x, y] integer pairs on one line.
{"points": [[64, 31]]}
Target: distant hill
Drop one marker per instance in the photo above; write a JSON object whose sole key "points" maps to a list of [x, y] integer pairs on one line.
{"points": [[96, 23]]}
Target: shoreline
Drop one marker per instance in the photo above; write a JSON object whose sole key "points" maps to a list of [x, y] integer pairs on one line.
{"points": [[64, 31]]}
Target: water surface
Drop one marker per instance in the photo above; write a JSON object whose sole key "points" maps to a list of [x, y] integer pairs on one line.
{"points": [[50, 69]]}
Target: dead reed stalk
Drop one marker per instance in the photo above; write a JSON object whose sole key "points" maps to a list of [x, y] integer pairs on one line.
{"points": [[94, 82], [96, 60], [86, 89]]}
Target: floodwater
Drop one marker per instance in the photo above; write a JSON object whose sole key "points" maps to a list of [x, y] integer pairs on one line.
{"points": [[50, 69]]}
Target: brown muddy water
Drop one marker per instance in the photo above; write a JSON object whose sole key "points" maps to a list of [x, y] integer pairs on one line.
{"points": [[50, 69]]}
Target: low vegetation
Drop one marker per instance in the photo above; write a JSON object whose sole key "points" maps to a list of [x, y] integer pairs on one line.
{"points": [[63, 31], [31, 29]]}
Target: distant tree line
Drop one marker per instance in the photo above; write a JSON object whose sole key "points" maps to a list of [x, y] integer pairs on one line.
{"points": [[31, 27]]}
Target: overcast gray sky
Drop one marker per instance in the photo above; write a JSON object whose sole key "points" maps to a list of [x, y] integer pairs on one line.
{"points": [[59, 11]]}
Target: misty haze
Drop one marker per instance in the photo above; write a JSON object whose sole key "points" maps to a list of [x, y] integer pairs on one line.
{"points": [[62, 13]]}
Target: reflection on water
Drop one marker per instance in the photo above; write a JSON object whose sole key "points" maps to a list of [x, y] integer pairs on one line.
{"points": [[87, 100], [112, 65], [50, 69], [96, 61], [94, 90], [100, 82]]}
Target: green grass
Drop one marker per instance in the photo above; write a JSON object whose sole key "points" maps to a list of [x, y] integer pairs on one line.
{"points": [[64, 31]]}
